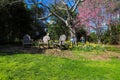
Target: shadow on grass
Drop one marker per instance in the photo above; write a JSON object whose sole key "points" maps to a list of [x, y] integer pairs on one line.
{"points": [[11, 50]]}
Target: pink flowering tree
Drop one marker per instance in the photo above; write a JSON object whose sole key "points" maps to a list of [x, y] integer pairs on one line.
{"points": [[114, 21], [95, 14]]}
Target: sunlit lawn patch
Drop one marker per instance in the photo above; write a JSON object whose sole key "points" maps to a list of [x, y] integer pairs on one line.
{"points": [[88, 62], [46, 67]]}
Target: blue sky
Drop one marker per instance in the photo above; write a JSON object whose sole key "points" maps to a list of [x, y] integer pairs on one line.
{"points": [[30, 2], [46, 2]]}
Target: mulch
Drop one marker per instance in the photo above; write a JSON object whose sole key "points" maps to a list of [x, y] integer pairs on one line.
{"points": [[21, 49]]}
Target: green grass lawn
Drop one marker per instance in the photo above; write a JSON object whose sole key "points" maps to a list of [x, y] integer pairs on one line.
{"points": [[47, 67]]}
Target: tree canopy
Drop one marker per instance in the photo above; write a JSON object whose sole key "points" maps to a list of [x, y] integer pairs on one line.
{"points": [[15, 21]]}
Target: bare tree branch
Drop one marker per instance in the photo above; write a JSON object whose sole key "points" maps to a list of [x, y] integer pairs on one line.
{"points": [[61, 8], [45, 17], [63, 2], [55, 14], [76, 4]]}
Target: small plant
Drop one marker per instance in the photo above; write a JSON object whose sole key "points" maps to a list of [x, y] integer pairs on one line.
{"points": [[89, 47]]}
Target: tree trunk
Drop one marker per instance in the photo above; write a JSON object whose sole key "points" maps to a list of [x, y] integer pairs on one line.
{"points": [[72, 32], [98, 36]]}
